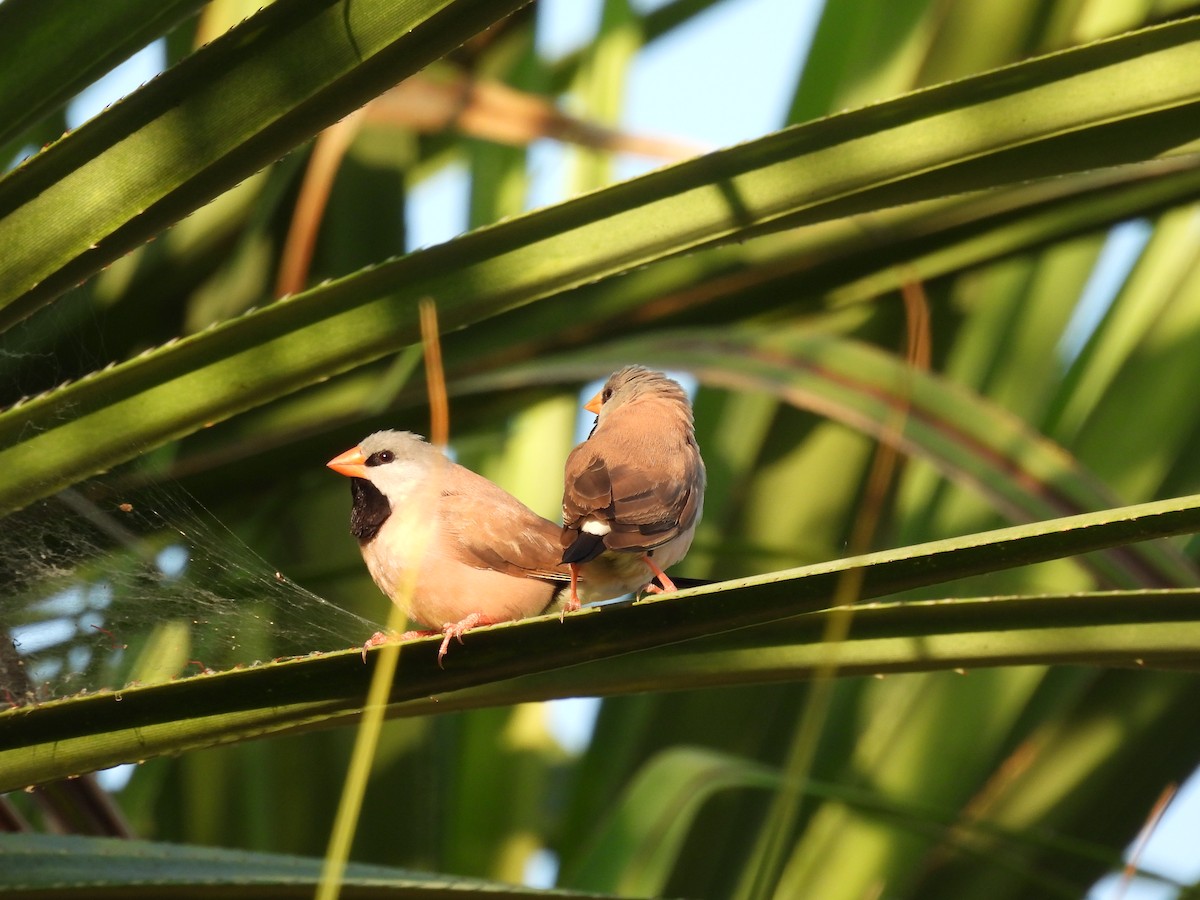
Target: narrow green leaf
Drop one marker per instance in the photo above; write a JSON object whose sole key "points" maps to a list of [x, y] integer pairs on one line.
{"points": [[1090, 769], [843, 165], [1142, 301], [220, 115], [965, 437], [932, 239], [634, 850], [37, 865], [51, 51], [1134, 629], [69, 736], [859, 55]]}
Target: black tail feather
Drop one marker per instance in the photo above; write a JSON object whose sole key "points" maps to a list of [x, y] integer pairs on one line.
{"points": [[584, 548]]}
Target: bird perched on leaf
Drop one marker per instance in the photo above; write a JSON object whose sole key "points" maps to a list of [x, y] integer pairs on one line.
{"points": [[453, 549], [634, 490]]}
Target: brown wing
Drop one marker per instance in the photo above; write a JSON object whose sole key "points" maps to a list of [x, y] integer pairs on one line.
{"points": [[494, 530], [587, 486], [644, 501]]}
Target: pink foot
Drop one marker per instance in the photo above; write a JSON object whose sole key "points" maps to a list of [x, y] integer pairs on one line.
{"points": [[569, 605], [667, 584], [456, 630], [381, 637]]}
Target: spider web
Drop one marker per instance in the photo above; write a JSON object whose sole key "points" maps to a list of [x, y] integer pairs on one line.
{"points": [[102, 588]]}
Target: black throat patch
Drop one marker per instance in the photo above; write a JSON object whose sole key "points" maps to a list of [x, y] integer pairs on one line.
{"points": [[370, 510]]}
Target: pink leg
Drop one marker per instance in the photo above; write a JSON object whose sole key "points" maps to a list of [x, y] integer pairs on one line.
{"points": [[456, 630], [667, 584], [652, 588], [573, 603]]}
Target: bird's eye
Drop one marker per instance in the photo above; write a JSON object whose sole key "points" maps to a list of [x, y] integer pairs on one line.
{"points": [[382, 458], [606, 396]]}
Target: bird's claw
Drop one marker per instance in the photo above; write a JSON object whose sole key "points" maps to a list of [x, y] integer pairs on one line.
{"points": [[383, 637], [455, 631], [379, 637]]}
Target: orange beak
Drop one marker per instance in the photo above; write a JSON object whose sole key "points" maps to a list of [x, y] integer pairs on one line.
{"points": [[352, 463], [593, 405]]}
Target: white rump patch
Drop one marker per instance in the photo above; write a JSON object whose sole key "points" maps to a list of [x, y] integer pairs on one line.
{"points": [[597, 528]]}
